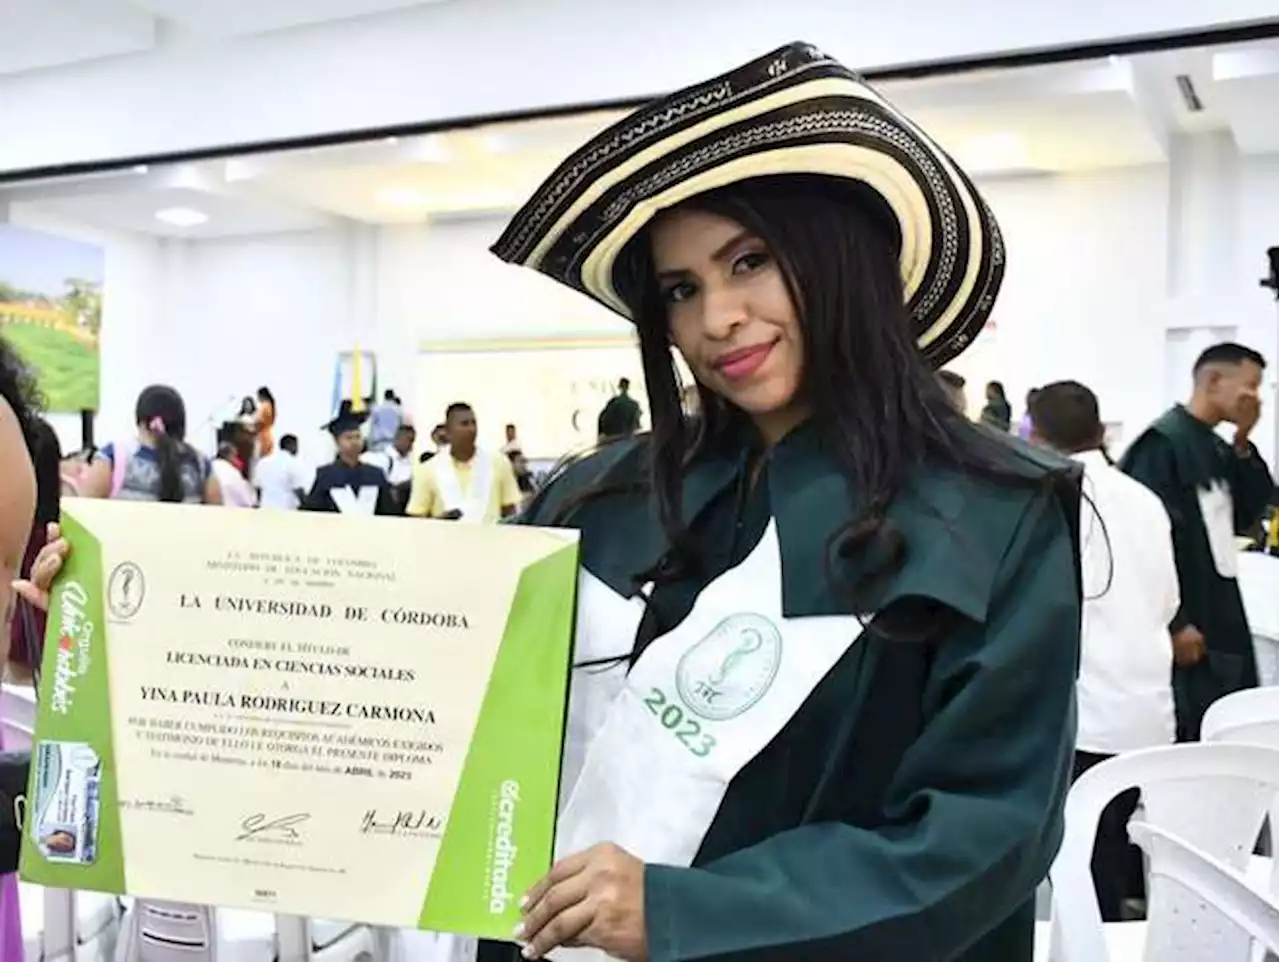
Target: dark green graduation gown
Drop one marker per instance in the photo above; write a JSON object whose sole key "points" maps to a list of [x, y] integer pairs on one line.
{"points": [[911, 806], [1192, 469]]}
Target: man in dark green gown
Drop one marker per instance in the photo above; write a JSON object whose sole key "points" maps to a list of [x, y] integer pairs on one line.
{"points": [[1213, 491]]}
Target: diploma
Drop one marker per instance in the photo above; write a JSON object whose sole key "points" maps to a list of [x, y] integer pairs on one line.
{"points": [[351, 718]]}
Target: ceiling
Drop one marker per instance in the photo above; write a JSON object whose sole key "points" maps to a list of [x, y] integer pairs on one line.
{"points": [[51, 33], [1044, 119]]}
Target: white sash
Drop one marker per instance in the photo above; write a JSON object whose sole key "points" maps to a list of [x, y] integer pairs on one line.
{"points": [[603, 638], [473, 503], [1220, 526], [701, 702], [362, 502]]}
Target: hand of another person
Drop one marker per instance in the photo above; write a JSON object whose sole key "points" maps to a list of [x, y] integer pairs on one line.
{"points": [[44, 569], [1188, 646], [594, 898], [1248, 410]]}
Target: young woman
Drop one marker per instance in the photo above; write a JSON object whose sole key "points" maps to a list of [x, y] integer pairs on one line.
{"points": [[828, 629], [228, 469], [266, 422], [158, 465], [997, 412]]}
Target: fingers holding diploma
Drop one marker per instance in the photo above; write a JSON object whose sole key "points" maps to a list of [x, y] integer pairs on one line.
{"points": [[594, 898], [44, 569]]}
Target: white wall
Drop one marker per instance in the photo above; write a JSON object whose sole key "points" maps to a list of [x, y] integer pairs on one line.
{"points": [[1102, 268], [1083, 288], [481, 57], [217, 319], [441, 282], [273, 310]]}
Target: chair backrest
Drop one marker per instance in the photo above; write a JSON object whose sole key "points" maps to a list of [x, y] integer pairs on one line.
{"points": [[60, 935], [1250, 717], [17, 715], [1198, 909], [171, 932], [1257, 583], [1213, 795]]}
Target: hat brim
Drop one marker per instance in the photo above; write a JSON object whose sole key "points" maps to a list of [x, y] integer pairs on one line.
{"points": [[795, 111]]}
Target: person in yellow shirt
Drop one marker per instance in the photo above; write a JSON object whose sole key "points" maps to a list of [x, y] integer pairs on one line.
{"points": [[464, 483]]}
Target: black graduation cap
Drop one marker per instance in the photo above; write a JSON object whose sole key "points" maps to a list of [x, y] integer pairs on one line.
{"points": [[346, 419]]}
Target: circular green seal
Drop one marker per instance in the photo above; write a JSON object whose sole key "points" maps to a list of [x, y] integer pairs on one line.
{"points": [[730, 669]]}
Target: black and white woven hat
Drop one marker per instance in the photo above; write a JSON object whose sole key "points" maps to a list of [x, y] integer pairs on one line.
{"points": [[795, 111]]}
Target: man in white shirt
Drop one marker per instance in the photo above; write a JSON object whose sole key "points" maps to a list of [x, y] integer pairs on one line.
{"points": [[512, 443], [396, 462], [384, 421], [280, 478], [1124, 691]]}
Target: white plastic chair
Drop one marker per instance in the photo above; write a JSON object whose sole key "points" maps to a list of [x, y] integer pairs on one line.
{"points": [[412, 945], [1213, 795], [59, 925], [159, 931], [324, 940], [1251, 717], [1248, 717], [17, 716], [1257, 581], [1199, 909]]}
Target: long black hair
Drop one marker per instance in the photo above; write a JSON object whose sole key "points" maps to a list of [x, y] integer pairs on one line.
{"points": [[876, 402], [18, 388], [161, 411], [47, 458]]}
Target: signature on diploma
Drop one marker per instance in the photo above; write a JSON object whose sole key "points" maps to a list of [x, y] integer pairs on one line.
{"points": [[400, 823], [282, 829], [176, 805]]}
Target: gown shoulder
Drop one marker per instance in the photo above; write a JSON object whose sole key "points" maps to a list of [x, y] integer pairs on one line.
{"points": [[607, 471]]}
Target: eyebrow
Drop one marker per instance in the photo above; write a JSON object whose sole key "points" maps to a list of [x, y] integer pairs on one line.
{"points": [[719, 254]]}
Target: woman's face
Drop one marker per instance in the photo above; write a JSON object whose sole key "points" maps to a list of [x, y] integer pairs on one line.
{"points": [[731, 316]]}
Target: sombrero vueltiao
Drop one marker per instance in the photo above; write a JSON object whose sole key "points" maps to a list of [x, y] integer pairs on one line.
{"points": [[795, 111]]}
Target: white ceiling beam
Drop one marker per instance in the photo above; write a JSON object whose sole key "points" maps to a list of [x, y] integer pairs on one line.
{"points": [[1249, 107], [210, 177], [1145, 85], [206, 177], [230, 18], [1244, 84], [1007, 86], [37, 34], [387, 152], [1246, 64], [136, 179]]}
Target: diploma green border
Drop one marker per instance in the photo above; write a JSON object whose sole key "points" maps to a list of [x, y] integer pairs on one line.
{"points": [[88, 720], [514, 740]]}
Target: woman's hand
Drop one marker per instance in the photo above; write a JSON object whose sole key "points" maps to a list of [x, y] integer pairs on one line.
{"points": [[44, 569], [594, 898]]}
